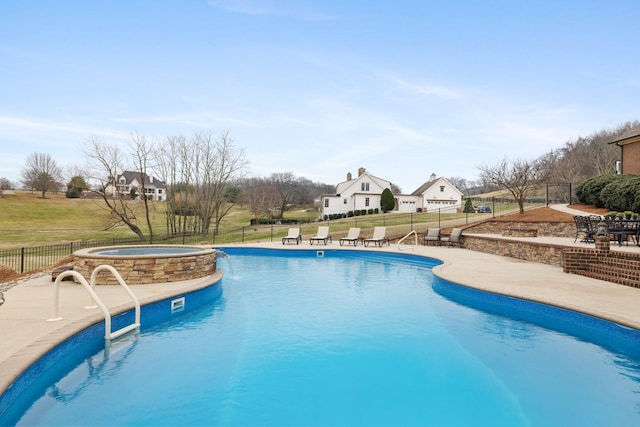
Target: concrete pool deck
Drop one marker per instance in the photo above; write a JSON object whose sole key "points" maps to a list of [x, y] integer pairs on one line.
{"points": [[26, 334]]}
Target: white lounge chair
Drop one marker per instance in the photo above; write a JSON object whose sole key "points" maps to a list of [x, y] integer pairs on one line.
{"points": [[321, 236], [353, 236], [379, 237], [294, 234], [453, 238], [432, 235]]}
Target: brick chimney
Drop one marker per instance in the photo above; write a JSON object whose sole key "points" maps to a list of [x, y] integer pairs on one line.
{"points": [[361, 171], [349, 177]]}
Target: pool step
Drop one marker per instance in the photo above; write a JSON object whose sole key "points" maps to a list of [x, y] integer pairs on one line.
{"points": [[623, 272]]}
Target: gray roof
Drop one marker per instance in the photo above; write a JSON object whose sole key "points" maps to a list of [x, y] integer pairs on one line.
{"points": [[424, 187], [131, 175], [631, 133]]}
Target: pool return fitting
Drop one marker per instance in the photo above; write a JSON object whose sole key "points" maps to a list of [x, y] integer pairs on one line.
{"points": [[109, 335]]}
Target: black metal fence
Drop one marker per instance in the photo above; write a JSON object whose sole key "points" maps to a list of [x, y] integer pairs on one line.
{"points": [[27, 259]]}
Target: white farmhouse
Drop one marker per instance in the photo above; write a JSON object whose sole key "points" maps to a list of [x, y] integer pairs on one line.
{"points": [[154, 189], [364, 192], [360, 193]]}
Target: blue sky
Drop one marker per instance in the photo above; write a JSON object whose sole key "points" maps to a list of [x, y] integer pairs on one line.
{"points": [[319, 88]]}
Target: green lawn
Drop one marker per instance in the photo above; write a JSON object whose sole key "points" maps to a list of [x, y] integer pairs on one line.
{"points": [[26, 220]]}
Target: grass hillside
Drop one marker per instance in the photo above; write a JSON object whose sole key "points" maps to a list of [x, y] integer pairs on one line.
{"points": [[28, 220]]}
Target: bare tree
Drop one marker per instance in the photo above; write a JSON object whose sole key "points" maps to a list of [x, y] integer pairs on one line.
{"points": [[170, 165], [141, 148], [199, 174], [519, 177], [285, 185], [41, 173], [260, 196], [5, 184], [584, 157], [106, 163], [217, 164]]}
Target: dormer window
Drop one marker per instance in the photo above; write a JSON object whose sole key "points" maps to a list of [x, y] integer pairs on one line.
{"points": [[123, 180], [364, 186]]}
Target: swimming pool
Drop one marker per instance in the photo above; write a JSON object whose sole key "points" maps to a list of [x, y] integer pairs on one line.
{"points": [[352, 338]]}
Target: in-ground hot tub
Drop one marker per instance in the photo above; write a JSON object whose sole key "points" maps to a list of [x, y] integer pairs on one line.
{"points": [[146, 264]]}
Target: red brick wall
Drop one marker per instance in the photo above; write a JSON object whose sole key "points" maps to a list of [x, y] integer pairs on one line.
{"points": [[631, 158]]}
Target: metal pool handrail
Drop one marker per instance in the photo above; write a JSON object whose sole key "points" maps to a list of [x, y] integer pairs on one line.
{"points": [[415, 233], [108, 334]]}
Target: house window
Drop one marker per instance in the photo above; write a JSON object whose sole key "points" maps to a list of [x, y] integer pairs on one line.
{"points": [[442, 188], [364, 186], [344, 201], [366, 201], [326, 203]]}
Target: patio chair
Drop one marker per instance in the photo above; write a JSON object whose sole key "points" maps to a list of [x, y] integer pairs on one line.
{"points": [[353, 236], [321, 236], [453, 239], [617, 230], [379, 237], [294, 234], [432, 235], [585, 227]]}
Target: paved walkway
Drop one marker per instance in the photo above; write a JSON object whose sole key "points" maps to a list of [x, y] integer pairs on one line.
{"points": [[567, 209], [26, 334]]}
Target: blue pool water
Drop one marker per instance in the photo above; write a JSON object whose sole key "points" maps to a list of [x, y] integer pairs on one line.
{"points": [[346, 339]]}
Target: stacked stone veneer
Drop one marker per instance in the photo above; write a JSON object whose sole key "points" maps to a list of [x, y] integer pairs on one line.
{"points": [[543, 253], [556, 229], [148, 269], [597, 262]]}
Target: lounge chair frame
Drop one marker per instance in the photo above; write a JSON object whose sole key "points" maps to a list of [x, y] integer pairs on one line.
{"points": [[379, 237], [294, 235], [353, 236], [321, 236]]}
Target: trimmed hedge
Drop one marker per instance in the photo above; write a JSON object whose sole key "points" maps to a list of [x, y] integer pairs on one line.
{"points": [[357, 212], [614, 192]]}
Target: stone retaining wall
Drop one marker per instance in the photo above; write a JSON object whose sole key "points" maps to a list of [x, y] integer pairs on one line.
{"points": [[149, 269], [529, 251], [556, 229]]}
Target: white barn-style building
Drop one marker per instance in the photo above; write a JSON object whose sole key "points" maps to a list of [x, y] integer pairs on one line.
{"points": [[364, 192]]}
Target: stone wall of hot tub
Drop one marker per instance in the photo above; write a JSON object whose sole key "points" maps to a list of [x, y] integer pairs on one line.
{"points": [[147, 269]]}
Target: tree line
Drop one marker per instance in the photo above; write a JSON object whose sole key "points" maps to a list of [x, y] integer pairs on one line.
{"points": [[574, 163], [206, 174]]}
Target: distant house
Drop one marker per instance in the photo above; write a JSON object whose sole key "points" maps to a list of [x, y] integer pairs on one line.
{"points": [[629, 143], [364, 192], [438, 193], [154, 189]]}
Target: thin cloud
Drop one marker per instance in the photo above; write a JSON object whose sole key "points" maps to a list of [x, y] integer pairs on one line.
{"points": [[296, 9], [426, 90], [39, 125]]}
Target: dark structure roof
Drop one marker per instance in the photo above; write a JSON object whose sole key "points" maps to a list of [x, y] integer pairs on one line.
{"points": [[148, 181], [424, 187], [629, 134]]}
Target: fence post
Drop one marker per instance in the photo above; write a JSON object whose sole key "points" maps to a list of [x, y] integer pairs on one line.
{"points": [[21, 260], [243, 233]]}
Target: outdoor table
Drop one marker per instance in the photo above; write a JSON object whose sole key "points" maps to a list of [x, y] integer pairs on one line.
{"points": [[622, 229]]}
